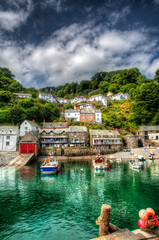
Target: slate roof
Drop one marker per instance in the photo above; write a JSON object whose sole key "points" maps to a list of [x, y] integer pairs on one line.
{"points": [[7, 130], [32, 123], [87, 110], [103, 132], [56, 131], [77, 129], [149, 128], [54, 124]]}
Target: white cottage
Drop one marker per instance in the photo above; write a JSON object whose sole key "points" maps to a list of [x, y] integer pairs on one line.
{"points": [[79, 99], [8, 138], [99, 99], [28, 126], [48, 97]]}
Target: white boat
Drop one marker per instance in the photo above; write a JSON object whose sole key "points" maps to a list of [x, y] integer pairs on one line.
{"points": [[141, 158], [50, 166], [135, 165], [100, 163], [151, 156], [118, 159]]}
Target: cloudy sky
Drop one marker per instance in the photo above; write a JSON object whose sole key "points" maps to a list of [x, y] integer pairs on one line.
{"points": [[51, 42]]}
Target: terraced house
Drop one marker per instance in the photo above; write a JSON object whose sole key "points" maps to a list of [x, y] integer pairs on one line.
{"points": [[108, 138]]}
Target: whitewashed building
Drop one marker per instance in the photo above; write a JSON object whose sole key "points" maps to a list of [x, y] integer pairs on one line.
{"points": [[149, 132], [120, 96], [79, 99], [9, 136], [104, 137], [48, 97], [28, 126], [99, 99], [72, 115], [63, 100], [23, 95], [98, 116]]}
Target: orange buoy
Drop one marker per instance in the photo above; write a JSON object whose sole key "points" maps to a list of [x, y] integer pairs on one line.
{"points": [[142, 214], [150, 212]]}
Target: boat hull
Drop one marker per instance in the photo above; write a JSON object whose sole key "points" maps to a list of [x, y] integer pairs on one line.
{"points": [[49, 170]]}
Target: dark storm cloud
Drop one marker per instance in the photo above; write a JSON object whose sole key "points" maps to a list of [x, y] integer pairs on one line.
{"points": [[53, 42]]}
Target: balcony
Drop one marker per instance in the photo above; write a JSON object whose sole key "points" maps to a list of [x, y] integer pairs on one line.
{"points": [[54, 142]]}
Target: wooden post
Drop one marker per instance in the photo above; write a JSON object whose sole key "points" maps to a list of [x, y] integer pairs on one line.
{"points": [[103, 220]]}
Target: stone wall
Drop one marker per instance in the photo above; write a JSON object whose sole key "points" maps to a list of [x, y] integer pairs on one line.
{"points": [[6, 157], [134, 141], [81, 151]]}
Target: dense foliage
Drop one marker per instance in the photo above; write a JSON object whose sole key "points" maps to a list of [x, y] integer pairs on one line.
{"points": [[141, 109]]}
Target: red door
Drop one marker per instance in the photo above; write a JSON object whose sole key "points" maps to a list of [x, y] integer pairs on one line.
{"points": [[26, 148]]}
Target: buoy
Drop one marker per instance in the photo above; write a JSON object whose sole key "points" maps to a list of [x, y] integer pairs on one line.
{"points": [[142, 223], [143, 215], [150, 212], [141, 212], [91, 162], [108, 166]]}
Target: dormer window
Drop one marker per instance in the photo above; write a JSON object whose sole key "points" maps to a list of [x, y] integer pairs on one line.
{"points": [[3, 131], [25, 122]]}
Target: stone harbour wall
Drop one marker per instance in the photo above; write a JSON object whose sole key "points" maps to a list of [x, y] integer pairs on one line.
{"points": [[80, 151], [134, 141], [6, 157]]}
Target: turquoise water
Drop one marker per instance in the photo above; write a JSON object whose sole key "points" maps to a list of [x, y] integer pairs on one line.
{"points": [[66, 206]]}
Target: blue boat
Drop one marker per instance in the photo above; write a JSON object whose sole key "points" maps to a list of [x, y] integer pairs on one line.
{"points": [[50, 166]]}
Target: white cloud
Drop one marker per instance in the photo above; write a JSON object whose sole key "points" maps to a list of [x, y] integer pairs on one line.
{"points": [[118, 15], [156, 1], [9, 20], [77, 52]]}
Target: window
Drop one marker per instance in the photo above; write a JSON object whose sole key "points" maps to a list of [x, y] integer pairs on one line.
{"points": [[71, 140], [11, 131], [7, 143], [25, 122], [77, 133], [26, 128], [8, 137], [90, 117], [72, 134]]}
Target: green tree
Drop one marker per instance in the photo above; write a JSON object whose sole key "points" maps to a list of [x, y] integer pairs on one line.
{"points": [[15, 87], [17, 114], [157, 76]]}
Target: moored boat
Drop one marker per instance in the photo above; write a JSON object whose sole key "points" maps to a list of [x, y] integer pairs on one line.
{"points": [[100, 163], [141, 158], [135, 165], [50, 166], [151, 156]]}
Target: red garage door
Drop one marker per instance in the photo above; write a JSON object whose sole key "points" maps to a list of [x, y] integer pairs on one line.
{"points": [[27, 148]]}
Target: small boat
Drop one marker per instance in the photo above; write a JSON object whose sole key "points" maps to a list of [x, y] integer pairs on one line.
{"points": [[151, 156], [135, 165], [118, 159], [100, 163], [50, 166], [141, 158]]}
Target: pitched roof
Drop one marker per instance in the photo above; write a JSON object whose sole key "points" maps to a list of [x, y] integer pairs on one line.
{"points": [[32, 123], [149, 128], [54, 124], [87, 110], [56, 131], [103, 132], [9, 130], [77, 129]]}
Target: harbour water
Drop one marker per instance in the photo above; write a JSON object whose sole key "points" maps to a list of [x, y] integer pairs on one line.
{"points": [[67, 205]]}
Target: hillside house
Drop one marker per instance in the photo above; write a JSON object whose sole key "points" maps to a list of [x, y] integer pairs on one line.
{"points": [[98, 99], [28, 126], [79, 99], [77, 136], [47, 96], [108, 138], [23, 95], [89, 115], [120, 96], [63, 100], [149, 132], [9, 136], [54, 138], [55, 125], [83, 106]]}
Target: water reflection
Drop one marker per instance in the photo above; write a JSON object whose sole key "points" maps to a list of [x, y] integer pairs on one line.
{"points": [[36, 206]]}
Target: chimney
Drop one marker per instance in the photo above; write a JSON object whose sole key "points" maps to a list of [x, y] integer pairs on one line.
{"points": [[84, 124], [33, 120], [89, 127], [17, 125], [44, 120], [53, 127], [41, 127], [67, 125]]}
